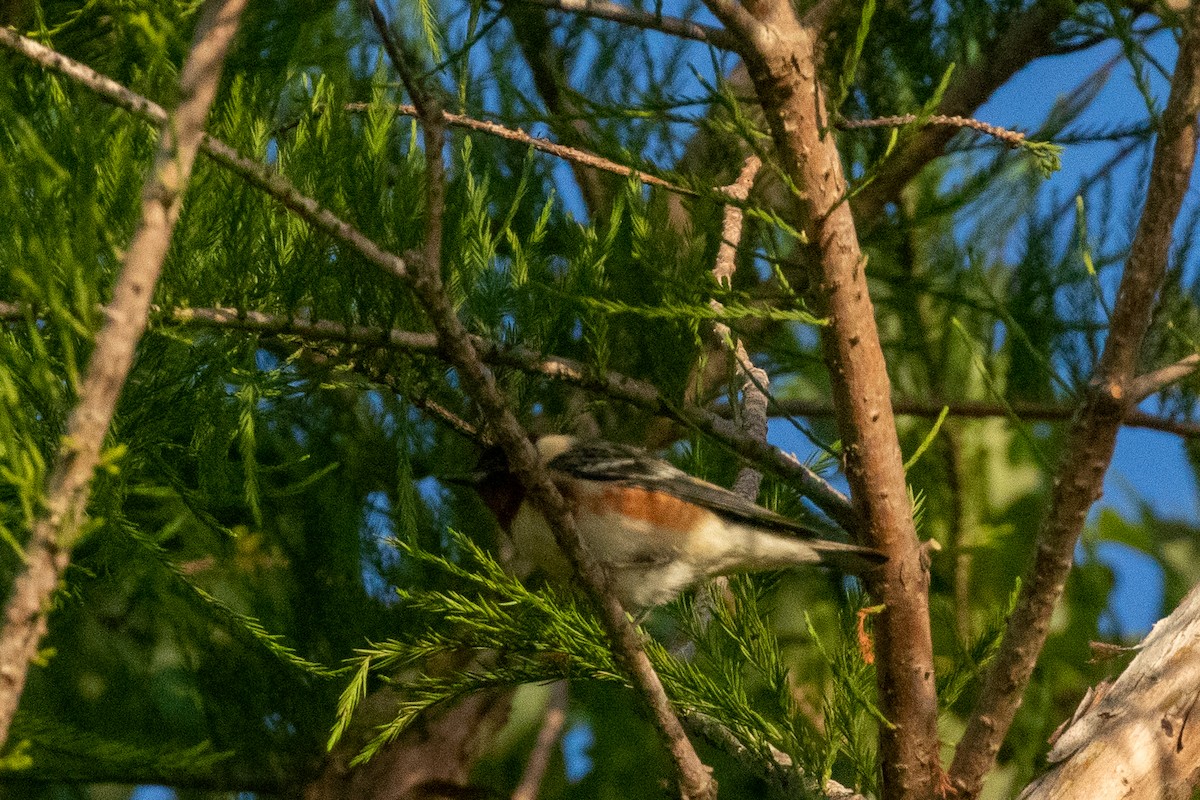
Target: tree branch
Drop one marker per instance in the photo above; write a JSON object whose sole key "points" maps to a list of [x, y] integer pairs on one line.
{"points": [[783, 62], [1150, 383], [69, 485], [548, 735], [546, 62], [737, 20], [422, 100], [1136, 739], [615, 12], [753, 414], [1009, 137], [1089, 448], [977, 410], [574, 155], [455, 342], [611, 384]]}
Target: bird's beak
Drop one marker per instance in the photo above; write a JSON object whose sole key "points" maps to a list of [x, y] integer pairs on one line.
{"points": [[469, 479]]}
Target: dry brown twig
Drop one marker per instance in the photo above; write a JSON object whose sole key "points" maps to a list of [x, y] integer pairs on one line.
{"points": [[1153, 382], [572, 154], [1090, 444], [753, 416], [614, 12], [47, 553], [1009, 137], [1028, 37], [611, 384], [969, 409]]}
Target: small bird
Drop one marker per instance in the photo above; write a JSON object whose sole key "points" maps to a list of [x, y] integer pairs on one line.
{"points": [[654, 529]]}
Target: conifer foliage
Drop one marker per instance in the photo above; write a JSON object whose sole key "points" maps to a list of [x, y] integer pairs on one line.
{"points": [[411, 231]]}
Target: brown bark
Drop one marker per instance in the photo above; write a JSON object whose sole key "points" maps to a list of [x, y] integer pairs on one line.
{"points": [[69, 485]]}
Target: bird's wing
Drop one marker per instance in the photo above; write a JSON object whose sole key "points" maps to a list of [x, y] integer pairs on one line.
{"points": [[608, 461]]}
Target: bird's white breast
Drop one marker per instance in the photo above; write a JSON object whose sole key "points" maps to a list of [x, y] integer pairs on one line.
{"points": [[648, 563]]}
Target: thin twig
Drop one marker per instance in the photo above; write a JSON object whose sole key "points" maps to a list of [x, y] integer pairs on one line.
{"points": [[539, 758], [69, 485], [1034, 412], [753, 418], [1090, 444], [1152, 382], [611, 384], [1029, 36], [614, 12], [416, 91], [1009, 137], [571, 124], [572, 154]]}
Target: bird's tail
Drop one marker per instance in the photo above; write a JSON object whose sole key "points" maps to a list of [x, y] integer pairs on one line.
{"points": [[848, 557], [762, 550]]}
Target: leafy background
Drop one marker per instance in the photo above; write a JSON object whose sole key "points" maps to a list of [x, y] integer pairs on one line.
{"points": [[239, 550]]}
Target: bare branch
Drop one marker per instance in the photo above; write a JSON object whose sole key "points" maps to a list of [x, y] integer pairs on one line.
{"points": [[408, 77], [1080, 475], [737, 20], [612, 384], [547, 64], [1039, 412], [573, 154], [1009, 137], [1136, 739], [615, 12], [695, 779], [1143, 386], [754, 379], [539, 758], [69, 485]]}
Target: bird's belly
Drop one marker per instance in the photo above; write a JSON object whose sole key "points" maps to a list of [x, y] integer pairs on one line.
{"points": [[647, 563]]}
